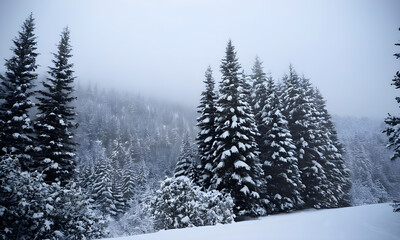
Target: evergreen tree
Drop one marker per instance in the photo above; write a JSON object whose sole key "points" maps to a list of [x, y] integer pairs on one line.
{"points": [[299, 112], [185, 166], [206, 125], [128, 181], [54, 123], [235, 155], [118, 197], [103, 188], [337, 173], [17, 82], [118, 154], [283, 183], [259, 94], [393, 122]]}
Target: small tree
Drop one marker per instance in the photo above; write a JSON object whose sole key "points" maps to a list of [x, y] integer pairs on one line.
{"points": [[185, 165]]}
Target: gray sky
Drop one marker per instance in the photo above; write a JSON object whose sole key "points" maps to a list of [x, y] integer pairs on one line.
{"points": [[162, 48]]}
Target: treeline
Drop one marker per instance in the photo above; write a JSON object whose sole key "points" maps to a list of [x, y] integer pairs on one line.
{"points": [[271, 147], [39, 197], [262, 148]]}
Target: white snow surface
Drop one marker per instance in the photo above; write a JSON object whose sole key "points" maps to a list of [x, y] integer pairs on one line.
{"points": [[368, 222]]}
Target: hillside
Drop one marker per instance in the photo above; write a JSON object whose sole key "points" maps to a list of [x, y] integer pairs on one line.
{"points": [[376, 221]]}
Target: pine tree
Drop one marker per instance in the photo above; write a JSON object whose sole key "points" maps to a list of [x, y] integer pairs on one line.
{"points": [[259, 92], [55, 120], [259, 98], [300, 113], [128, 181], [103, 188], [393, 122], [118, 197], [235, 156], [17, 83], [283, 183], [337, 173], [185, 166], [206, 125]]}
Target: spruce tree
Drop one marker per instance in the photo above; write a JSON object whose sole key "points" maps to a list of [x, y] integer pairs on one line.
{"points": [[259, 92], [259, 98], [185, 166], [300, 113], [17, 83], [337, 173], [283, 183], [393, 122], [235, 155], [206, 125], [128, 181], [103, 188], [55, 120]]}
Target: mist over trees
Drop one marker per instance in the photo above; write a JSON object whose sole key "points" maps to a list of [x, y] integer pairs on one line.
{"points": [[82, 162]]}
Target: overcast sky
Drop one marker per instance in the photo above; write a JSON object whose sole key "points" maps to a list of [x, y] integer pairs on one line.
{"points": [[162, 48]]}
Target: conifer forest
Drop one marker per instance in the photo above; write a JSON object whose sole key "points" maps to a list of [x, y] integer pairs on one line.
{"points": [[81, 159]]}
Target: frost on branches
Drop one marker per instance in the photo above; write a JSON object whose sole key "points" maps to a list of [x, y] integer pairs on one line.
{"points": [[179, 204]]}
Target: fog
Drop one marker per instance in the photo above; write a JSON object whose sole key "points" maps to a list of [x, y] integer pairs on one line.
{"points": [[162, 48]]}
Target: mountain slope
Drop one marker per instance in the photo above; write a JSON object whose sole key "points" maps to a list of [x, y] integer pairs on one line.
{"points": [[376, 221]]}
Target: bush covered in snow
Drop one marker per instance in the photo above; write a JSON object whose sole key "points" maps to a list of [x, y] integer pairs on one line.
{"points": [[33, 209], [135, 221], [179, 204]]}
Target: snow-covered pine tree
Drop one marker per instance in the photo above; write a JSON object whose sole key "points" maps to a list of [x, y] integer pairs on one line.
{"points": [[185, 166], [103, 188], [118, 196], [299, 112], [283, 184], [337, 173], [258, 95], [235, 154], [17, 83], [206, 125], [118, 154], [128, 181], [393, 122], [55, 120]]}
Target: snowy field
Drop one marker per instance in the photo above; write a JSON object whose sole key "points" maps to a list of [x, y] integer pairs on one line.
{"points": [[377, 221]]}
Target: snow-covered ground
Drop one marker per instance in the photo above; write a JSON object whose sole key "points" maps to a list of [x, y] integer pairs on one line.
{"points": [[377, 221]]}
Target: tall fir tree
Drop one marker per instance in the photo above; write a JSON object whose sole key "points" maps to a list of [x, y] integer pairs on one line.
{"points": [[259, 97], [336, 171], [235, 154], [206, 125], [393, 122], [299, 111], [283, 183], [16, 129], [55, 118]]}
